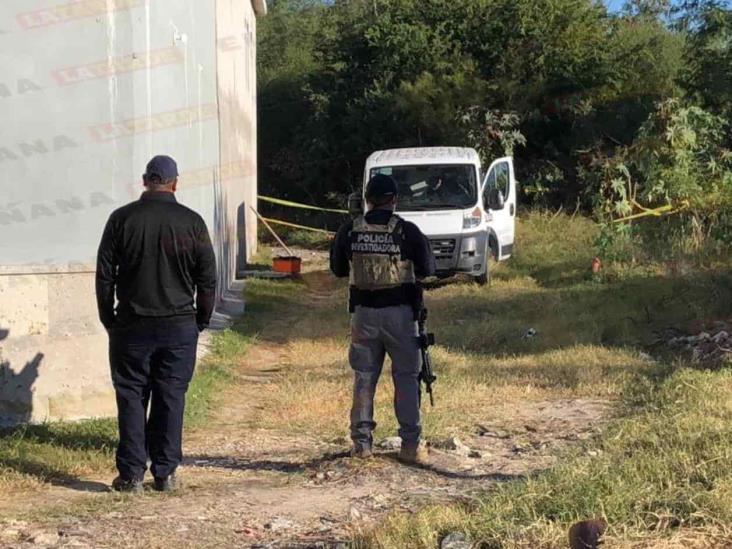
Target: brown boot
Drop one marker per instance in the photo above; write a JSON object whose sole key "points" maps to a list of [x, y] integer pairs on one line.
{"points": [[414, 455], [361, 452]]}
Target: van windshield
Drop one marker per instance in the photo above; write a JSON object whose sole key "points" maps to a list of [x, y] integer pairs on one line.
{"points": [[433, 186]]}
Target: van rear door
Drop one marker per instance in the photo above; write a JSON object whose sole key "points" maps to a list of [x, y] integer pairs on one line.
{"points": [[500, 182]]}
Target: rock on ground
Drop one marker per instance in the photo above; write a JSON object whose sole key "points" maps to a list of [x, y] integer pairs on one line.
{"points": [[453, 445], [456, 540]]}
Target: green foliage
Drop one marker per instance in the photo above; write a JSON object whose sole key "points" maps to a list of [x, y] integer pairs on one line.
{"points": [[680, 152], [708, 56], [545, 80], [677, 166], [286, 61], [297, 238], [492, 133], [604, 112]]}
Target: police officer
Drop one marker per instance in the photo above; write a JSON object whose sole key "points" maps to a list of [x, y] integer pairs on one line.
{"points": [[384, 256], [156, 257]]}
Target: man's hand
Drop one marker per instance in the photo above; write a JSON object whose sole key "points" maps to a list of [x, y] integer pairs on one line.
{"points": [[109, 325]]}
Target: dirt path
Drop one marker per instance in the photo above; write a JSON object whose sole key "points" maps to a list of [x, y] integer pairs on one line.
{"points": [[247, 487]]}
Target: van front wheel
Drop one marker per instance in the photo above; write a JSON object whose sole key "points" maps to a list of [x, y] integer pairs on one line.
{"points": [[482, 280], [485, 278]]}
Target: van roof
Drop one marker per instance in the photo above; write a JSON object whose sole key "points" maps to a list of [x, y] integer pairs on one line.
{"points": [[423, 155]]}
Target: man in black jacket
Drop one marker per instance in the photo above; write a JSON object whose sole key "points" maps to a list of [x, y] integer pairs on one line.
{"points": [[384, 256], [156, 257]]}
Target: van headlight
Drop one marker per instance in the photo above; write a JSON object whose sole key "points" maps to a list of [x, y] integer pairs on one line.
{"points": [[472, 219]]}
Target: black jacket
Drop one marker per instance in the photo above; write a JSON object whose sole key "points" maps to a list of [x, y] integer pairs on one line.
{"points": [[416, 248], [157, 256]]}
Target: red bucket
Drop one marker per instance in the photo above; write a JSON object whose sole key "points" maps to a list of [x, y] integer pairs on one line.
{"points": [[289, 265]]}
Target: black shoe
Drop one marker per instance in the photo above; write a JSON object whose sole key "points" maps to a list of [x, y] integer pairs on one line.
{"points": [[133, 486], [167, 484]]}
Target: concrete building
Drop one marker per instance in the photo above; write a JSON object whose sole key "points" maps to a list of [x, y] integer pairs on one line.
{"points": [[89, 91]]}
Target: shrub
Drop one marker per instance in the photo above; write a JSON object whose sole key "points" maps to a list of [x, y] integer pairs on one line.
{"points": [[671, 188]]}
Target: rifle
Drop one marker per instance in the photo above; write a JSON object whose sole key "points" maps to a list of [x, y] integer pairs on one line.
{"points": [[426, 375]]}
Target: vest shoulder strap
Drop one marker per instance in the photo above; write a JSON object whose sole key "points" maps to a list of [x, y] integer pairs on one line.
{"points": [[393, 225]]}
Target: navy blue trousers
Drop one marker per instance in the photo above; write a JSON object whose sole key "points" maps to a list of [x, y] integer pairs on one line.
{"points": [[152, 362]]}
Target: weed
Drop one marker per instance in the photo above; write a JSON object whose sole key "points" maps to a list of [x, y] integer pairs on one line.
{"points": [[664, 467]]}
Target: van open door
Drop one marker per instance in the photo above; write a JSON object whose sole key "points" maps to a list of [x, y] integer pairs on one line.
{"points": [[499, 202]]}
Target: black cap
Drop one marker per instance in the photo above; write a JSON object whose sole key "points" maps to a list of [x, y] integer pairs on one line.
{"points": [[381, 186], [162, 167]]}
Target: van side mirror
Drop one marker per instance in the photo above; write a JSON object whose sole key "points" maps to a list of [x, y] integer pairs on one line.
{"points": [[355, 204], [496, 200]]}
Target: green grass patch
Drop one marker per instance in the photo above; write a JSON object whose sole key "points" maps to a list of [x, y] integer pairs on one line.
{"points": [[55, 452], [213, 375], [664, 467], [551, 250]]}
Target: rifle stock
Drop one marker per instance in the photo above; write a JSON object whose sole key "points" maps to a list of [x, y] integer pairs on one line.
{"points": [[426, 375]]}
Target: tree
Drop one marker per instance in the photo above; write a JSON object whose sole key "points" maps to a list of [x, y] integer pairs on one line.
{"points": [[708, 56], [352, 76]]}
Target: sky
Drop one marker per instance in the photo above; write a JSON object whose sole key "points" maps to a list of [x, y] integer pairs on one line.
{"points": [[616, 5]]}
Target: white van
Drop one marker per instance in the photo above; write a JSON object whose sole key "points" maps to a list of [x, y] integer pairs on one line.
{"points": [[467, 214]]}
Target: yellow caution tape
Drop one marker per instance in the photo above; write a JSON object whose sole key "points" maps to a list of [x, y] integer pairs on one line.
{"points": [[296, 226], [281, 202], [669, 209]]}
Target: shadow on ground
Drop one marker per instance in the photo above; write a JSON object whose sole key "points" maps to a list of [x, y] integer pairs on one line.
{"points": [[237, 464], [51, 475], [298, 467]]}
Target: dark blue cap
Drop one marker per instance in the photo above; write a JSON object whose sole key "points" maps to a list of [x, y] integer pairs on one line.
{"points": [[381, 186], [162, 167]]}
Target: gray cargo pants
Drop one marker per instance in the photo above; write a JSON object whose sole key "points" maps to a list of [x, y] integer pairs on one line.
{"points": [[375, 332]]}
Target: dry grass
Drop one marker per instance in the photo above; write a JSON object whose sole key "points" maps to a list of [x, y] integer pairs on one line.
{"points": [[658, 476], [314, 394], [587, 343]]}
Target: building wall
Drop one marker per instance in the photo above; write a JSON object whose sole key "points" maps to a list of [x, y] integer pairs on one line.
{"points": [[89, 92], [237, 99]]}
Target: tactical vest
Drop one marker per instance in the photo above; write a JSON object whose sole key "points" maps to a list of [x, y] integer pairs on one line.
{"points": [[376, 256]]}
